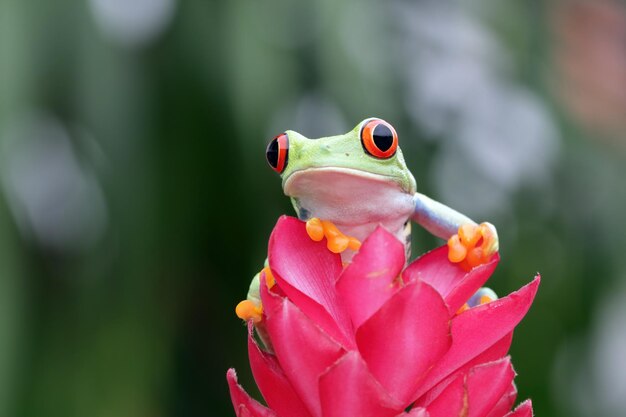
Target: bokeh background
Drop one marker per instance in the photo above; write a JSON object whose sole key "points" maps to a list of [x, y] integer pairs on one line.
{"points": [[136, 203]]}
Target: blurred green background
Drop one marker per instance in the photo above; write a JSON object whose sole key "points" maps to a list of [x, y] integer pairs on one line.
{"points": [[136, 203]]}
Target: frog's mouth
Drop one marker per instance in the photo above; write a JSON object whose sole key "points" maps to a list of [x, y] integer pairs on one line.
{"points": [[319, 174], [347, 195]]}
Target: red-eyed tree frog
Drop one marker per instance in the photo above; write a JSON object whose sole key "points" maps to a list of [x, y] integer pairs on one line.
{"points": [[345, 186]]}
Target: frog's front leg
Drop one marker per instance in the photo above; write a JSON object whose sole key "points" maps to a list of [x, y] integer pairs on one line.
{"points": [[470, 244], [337, 242], [251, 308], [317, 229]]}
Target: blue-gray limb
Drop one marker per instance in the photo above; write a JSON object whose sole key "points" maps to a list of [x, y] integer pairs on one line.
{"points": [[437, 218]]}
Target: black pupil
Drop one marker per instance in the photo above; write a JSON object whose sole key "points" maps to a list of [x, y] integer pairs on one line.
{"points": [[272, 153], [383, 137]]}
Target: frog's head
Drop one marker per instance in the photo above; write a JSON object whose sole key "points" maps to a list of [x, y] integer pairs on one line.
{"points": [[363, 159]]}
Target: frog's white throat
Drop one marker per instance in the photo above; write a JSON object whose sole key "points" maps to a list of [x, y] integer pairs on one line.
{"points": [[356, 201]]}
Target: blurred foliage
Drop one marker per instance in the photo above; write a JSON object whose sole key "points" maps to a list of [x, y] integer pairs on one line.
{"points": [[136, 202]]}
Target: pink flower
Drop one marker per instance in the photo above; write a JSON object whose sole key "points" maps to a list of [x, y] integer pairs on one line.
{"points": [[372, 340]]}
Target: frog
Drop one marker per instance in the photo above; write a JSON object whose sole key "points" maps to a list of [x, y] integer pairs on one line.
{"points": [[345, 186]]}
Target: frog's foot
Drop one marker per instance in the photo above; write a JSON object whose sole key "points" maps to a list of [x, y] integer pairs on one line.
{"points": [[483, 296], [337, 242], [473, 245], [251, 308]]}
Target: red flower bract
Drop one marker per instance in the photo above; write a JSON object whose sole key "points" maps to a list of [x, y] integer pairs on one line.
{"points": [[372, 340]]}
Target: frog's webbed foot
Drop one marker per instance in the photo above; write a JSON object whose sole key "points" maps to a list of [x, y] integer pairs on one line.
{"points": [[252, 308], [473, 245], [337, 242], [483, 296], [249, 310]]}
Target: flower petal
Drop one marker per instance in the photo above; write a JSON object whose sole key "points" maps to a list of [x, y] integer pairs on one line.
{"points": [[479, 328], [303, 350], [366, 284], [476, 393], [306, 271], [505, 403], [454, 284], [486, 384], [452, 401], [403, 339], [243, 404], [493, 353], [525, 409], [348, 389], [272, 382]]}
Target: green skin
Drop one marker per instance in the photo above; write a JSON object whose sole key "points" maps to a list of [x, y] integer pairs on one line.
{"points": [[335, 179]]}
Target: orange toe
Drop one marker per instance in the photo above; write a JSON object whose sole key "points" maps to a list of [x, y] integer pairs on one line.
{"points": [[473, 245], [456, 250], [338, 244], [247, 310], [315, 229]]}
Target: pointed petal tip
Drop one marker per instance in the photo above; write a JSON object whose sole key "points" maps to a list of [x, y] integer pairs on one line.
{"points": [[381, 237], [505, 403], [425, 337], [532, 287], [368, 282], [381, 232], [525, 409], [439, 256], [503, 362], [454, 283], [306, 271], [528, 403], [479, 328], [475, 392], [527, 291], [244, 405], [487, 383]]}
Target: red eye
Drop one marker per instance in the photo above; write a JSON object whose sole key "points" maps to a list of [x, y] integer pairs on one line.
{"points": [[379, 138], [277, 152]]}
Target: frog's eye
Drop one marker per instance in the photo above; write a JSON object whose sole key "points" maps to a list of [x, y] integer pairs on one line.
{"points": [[379, 138], [277, 152]]}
